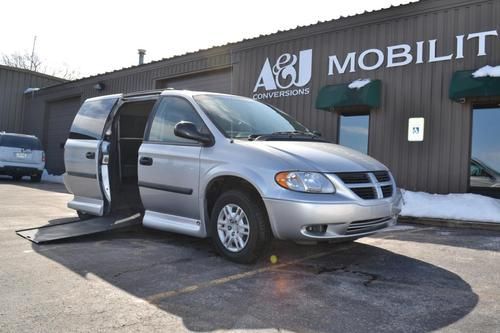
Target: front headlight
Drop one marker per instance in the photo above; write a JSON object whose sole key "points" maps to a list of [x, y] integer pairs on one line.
{"points": [[310, 182]]}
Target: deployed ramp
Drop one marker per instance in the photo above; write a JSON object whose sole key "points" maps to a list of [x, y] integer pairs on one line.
{"points": [[76, 228]]}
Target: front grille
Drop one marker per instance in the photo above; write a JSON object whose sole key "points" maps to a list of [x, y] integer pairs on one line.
{"points": [[387, 191], [368, 185], [354, 177], [359, 227], [365, 192], [382, 176]]}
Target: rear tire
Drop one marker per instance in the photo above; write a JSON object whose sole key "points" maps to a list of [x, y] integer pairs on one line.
{"points": [[36, 178], [239, 226]]}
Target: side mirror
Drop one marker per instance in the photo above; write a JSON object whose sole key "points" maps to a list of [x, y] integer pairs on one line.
{"points": [[188, 130], [317, 133]]}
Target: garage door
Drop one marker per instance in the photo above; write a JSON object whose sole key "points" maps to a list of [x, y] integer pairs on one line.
{"points": [[60, 117], [213, 81]]}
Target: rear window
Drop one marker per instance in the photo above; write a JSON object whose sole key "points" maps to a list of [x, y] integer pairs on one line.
{"points": [[91, 118], [16, 141]]}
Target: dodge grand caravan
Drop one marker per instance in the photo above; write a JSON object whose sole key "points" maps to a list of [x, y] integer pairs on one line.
{"points": [[221, 166]]}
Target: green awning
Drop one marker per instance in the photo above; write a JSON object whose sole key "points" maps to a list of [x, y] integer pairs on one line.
{"points": [[340, 95], [464, 85]]}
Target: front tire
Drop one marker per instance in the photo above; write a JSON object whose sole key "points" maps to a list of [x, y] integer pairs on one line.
{"points": [[239, 226]]}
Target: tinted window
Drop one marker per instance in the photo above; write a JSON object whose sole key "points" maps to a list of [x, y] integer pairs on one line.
{"points": [[91, 118], [485, 147], [241, 117], [171, 111], [353, 132], [15, 141]]}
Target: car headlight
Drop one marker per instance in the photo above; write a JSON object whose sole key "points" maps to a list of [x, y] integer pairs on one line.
{"points": [[310, 182]]}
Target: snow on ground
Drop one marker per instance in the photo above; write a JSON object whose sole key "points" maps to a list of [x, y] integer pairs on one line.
{"points": [[46, 177], [487, 71], [459, 206], [357, 84]]}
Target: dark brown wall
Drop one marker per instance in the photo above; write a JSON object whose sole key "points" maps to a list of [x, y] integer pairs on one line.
{"points": [[13, 83], [441, 162]]}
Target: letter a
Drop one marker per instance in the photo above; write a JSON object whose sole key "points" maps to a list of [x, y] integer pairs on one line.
{"points": [[266, 78]]}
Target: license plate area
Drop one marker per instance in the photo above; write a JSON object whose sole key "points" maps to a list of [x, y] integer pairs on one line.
{"points": [[23, 156]]}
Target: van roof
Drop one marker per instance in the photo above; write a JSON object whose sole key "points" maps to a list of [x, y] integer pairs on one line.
{"points": [[156, 92], [19, 134]]}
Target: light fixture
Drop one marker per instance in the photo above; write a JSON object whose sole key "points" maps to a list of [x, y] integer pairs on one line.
{"points": [[99, 86]]}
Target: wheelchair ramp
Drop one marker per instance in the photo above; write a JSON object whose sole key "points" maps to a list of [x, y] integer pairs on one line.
{"points": [[77, 228]]}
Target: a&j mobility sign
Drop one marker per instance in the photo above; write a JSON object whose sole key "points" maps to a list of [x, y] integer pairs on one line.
{"points": [[290, 74]]}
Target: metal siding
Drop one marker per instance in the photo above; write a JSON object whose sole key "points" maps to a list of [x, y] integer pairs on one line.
{"points": [[440, 163], [214, 81], [13, 83]]}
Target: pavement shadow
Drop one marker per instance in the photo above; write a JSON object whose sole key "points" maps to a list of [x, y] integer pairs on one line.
{"points": [[324, 288], [485, 240]]}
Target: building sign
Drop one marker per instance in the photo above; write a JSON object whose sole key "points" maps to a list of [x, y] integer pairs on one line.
{"points": [[416, 129], [405, 54], [290, 75], [287, 77]]}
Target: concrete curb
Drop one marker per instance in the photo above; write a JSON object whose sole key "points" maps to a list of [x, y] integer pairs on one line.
{"points": [[492, 226]]}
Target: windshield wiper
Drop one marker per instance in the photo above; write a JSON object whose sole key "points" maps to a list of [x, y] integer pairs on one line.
{"points": [[285, 135]]}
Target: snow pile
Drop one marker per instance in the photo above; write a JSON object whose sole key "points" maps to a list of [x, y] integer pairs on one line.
{"points": [[359, 83], [467, 206], [46, 177], [487, 71], [31, 90]]}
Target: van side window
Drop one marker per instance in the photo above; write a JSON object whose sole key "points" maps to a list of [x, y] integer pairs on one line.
{"points": [[91, 118], [171, 111]]}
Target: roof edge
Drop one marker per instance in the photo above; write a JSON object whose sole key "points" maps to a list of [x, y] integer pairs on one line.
{"points": [[350, 21], [27, 71]]}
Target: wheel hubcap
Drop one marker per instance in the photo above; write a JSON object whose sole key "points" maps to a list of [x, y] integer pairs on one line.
{"points": [[233, 228]]}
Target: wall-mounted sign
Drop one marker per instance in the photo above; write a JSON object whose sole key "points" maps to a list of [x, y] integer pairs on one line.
{"points": [[405, 54], [289, 74], [416, 129], [286, 77]]}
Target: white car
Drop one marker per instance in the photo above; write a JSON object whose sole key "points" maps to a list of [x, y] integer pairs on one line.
{"points": [[21, 155]]}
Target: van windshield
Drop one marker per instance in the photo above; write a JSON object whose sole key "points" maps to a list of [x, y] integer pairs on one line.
{"points": [[238, 117], [17, 141]]}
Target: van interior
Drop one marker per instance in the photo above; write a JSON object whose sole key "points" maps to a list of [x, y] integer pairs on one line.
{"points": [[127, 135]]}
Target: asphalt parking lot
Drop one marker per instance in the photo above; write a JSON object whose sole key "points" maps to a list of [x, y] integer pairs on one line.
{"points": [[410, 279]]}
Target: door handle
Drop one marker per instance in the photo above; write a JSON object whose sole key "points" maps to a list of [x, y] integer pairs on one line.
{"points": [[146, 161], [90, 155]]}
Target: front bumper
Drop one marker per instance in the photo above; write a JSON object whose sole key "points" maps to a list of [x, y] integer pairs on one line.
{"points": [[306, 221]]}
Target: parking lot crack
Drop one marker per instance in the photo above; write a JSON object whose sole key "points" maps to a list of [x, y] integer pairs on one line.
{"points": [[370, 277]]}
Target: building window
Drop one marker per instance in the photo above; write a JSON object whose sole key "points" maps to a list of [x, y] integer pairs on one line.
{"points": [[485, 152], [353, 132]]}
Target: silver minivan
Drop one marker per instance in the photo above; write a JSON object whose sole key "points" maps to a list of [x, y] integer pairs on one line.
{"points": [[222, 166]]}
